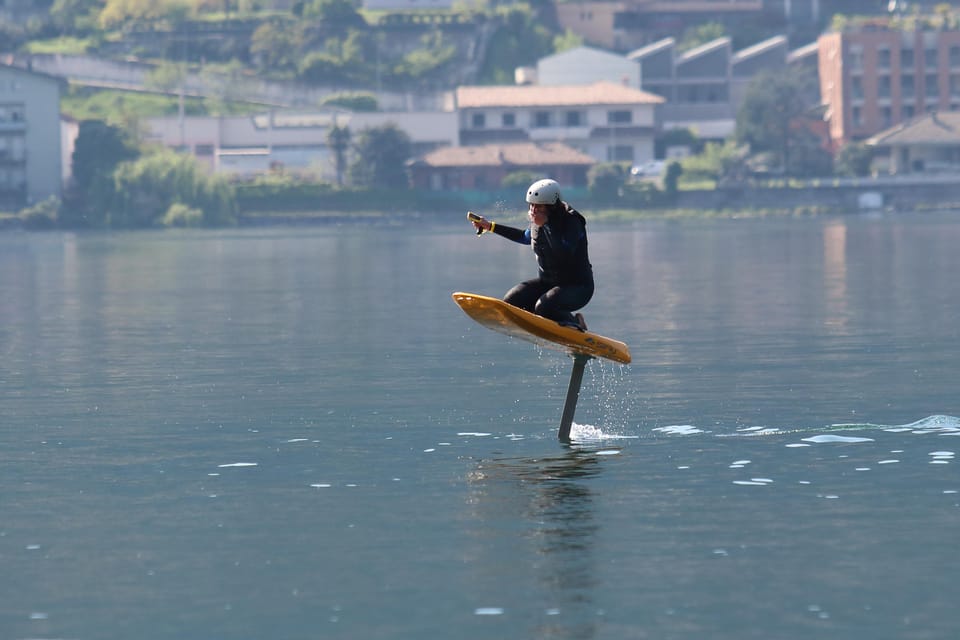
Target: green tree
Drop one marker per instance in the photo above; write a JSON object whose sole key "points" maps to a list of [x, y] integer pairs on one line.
{"points": [[606, 180], [700, 34], [224, 87], [130, 13], [75, 16], [338, 139], [521, 40], [275, 46], [354, 101], [382, 153], [853, 159], [334, 12], [342, 60], [147, 188], [671, 177], [808, 157], [566, 41], [772, 105], [519, 180], [682, 137], [717, 162], [417, 66], [167, 76], [42, 215], [97, 151]]}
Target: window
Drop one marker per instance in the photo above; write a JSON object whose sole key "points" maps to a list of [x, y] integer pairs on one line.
{"points": [[619, 117], [906, 58], [856, 87], [204, 150], [573, 118], [856, 58], [932, 90], [11, 112], [930, 58], [883, 58], [856, 116], [908, 111], [541, 119], [907, 88], [886, 115], [955, 56], [478, 121], [883, 88], [508, 120]]}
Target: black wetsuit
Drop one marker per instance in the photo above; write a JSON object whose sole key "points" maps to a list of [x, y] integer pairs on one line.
{"points": [[565, 281]]}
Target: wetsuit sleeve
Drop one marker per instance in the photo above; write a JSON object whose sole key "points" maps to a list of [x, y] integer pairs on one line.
{"points": [[512, 233]]}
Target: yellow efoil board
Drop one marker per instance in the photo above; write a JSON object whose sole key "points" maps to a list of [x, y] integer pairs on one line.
{"points": [[496, 314]]}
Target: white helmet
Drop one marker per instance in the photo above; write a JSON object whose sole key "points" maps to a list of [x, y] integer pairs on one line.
{"points": [[544, 192]]}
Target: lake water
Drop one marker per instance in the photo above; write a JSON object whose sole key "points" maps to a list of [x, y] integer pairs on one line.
{"points": [[294, 433]]}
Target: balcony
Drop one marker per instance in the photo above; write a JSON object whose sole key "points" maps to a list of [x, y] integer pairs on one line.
{"points": [[10, 158], [540, 134], [13, 125]]}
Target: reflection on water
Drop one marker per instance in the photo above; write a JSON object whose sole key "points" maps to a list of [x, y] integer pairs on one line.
{"points": [[554, 497], [294, 433]]}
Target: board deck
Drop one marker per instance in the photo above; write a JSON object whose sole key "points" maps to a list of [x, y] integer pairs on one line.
{"points": [[499, 316]]}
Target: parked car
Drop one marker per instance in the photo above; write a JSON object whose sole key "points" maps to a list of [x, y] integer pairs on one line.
{"points": [[651, 169]]}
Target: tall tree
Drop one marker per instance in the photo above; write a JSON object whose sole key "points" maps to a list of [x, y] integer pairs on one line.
{"points": [[98, 149], [147, 188], [338, 139], [382, 153], [773, 103]]}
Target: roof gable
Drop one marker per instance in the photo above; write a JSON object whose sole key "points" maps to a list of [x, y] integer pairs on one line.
{"points": [[29, 73], [929, 129]]}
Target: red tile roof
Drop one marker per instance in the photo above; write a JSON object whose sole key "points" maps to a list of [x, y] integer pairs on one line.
{"points": [[521, 154], [598, 93]]}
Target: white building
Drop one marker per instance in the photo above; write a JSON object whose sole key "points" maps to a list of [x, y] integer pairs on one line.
{"points": [[606, 120], [248, 145], [30, 149]]}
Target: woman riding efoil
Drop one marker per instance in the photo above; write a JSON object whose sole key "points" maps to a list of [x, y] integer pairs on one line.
{"points": [[559, 237]]}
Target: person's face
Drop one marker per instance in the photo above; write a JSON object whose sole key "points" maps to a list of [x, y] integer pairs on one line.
{"points": [[538, 214]]}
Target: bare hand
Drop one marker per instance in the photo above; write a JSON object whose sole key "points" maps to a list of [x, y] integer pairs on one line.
{"points": [[480, 223]]}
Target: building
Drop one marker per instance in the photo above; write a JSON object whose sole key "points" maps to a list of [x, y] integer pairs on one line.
{"points": [[293, 141], [874, 76], [704, 87], [30, 144], [929, 143], [483, 167], [605, 120], [623, 25], [628, 24]]}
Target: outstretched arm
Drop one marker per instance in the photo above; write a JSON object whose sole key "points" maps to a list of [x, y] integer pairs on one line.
{"points": [[481, 224]]}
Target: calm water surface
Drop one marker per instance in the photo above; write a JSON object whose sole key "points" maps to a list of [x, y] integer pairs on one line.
{"points": [[295, 433]]}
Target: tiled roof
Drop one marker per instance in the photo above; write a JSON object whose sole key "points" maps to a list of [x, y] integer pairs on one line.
{"points": [[520, 154], [564, 95], [932, 128]]}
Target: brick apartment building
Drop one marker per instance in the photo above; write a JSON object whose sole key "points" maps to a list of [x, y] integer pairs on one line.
{"points": [[875, 77]]}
